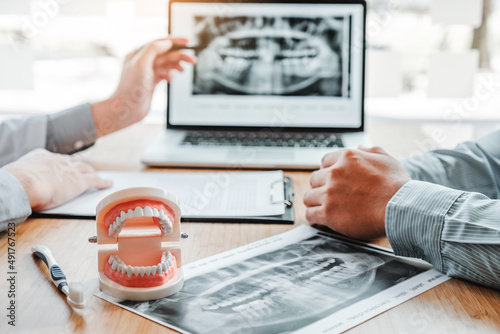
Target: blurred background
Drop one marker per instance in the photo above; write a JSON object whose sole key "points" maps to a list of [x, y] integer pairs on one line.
{"points": [[433, 64]]}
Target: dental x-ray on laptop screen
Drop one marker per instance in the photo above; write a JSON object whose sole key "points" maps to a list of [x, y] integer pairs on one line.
{"points": [[277, 84]]}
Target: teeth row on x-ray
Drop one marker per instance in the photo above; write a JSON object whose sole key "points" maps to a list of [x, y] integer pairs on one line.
{"points": [[219, 26], [236, 68], [252, 53], [273, 293]]}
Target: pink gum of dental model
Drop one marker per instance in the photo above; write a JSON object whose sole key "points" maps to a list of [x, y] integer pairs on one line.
{"points": [[138, 236]]}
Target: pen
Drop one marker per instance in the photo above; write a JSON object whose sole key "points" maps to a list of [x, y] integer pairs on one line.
{"points": [[185, 47]]}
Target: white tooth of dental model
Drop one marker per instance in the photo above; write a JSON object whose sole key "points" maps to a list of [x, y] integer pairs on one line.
{"points": [[138, 212], [148, 212], [132, 220]]}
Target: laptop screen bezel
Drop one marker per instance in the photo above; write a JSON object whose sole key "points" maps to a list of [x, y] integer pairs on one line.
{"points": [[283, 128]]}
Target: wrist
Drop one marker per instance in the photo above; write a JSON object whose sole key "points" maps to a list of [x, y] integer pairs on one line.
{"points": [[26, 181], [415, 217], [107, 115], [15, 204]]}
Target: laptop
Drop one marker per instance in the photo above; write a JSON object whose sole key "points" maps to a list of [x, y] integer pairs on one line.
{"points": [[278, 84]]}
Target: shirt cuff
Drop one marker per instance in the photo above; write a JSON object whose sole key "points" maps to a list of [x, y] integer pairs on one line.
{"points": [[14, 204], [20, 136], [71, 130], [489, 143], [425, 167], [414, 219]]}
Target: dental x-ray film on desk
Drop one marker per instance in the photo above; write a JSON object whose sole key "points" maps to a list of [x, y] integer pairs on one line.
{"points": [[277, 84]]}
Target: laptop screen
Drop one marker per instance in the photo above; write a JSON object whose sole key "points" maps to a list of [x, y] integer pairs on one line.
{"points": [[293, 65]]}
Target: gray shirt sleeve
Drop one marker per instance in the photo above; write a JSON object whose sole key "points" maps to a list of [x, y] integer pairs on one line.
{"points": [[71, 130], [64, 132], [19, 136], [14, 205]]}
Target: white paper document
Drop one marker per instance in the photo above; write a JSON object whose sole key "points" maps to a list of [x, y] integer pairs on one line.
{"points": [[300, 281], [201, 194]]}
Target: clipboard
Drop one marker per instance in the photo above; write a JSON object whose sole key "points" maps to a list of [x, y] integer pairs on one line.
{"points": [[280, 191], [286, 218]]}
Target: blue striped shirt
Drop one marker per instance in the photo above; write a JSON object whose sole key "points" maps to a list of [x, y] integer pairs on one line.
{"points": [[449, 214]]}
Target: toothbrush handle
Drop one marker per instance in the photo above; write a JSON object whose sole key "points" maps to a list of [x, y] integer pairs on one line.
{"points": [[56, 273]]}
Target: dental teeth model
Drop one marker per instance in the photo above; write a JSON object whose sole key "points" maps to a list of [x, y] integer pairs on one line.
{"points": [[138, 234]]}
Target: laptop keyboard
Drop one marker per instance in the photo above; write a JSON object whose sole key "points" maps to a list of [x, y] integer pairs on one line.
{"points": [[271, 139]]}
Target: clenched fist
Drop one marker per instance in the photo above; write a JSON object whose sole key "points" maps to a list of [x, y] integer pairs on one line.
{"points": [[351, 190]]}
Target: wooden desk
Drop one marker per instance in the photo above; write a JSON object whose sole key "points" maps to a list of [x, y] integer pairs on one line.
{"points": [[453, 307]]}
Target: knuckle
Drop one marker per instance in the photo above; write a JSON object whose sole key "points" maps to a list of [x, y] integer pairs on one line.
{"points": [[324, 159], [336, 173], [349, 153], [40, 151], [313, 177], [306, 196], [142, 62], [352, 157], [129, 56], [309, 216], [153, 46], [331, 193]]}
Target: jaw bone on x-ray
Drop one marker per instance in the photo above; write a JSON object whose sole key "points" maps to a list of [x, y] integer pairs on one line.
{"points": [[272, 56], [279, 291]]}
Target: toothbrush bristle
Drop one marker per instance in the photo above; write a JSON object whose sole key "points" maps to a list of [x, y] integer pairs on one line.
{"points": [[75, 295]]}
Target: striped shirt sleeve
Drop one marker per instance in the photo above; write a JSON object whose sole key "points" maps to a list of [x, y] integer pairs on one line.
{"points": [[471, 166], [450, 217], [456, 231]]}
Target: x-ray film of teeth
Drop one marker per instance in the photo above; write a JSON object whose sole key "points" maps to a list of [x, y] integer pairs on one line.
{"points": [[273, 55], [279, 291]]}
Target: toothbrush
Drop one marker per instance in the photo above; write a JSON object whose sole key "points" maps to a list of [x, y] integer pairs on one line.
{"points": [[73, 292]]}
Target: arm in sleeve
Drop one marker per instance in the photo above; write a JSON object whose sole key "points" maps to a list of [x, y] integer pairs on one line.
{"points": [[471, 166], [19, 136], [14, 205], [64, 132], [71, 130], [458, 232]]}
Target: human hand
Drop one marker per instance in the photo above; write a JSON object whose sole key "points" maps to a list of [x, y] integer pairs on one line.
{"points": [[142, 70], [51, 179], [351, 190]]}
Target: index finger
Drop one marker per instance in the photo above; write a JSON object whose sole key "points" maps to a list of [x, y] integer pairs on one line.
{"points": [[170, 59], [182, 41], [318, 178], [150, 51], [94, 180], [330, 158], [179, 40]]}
